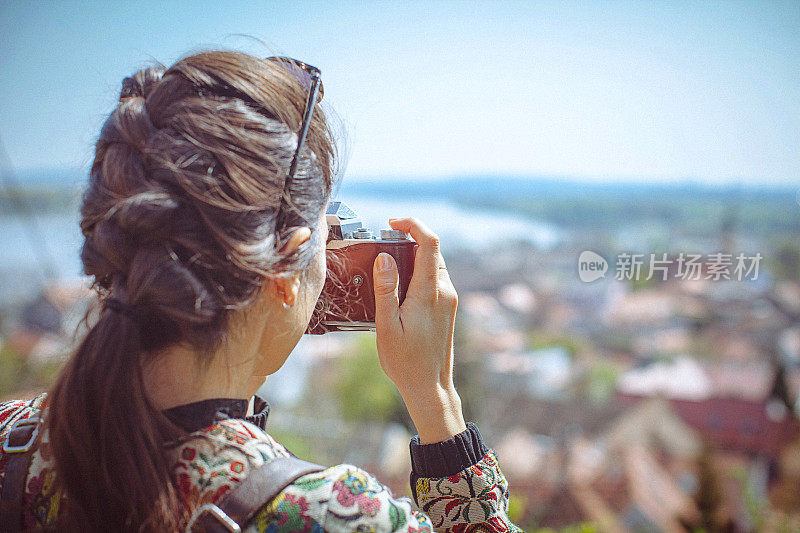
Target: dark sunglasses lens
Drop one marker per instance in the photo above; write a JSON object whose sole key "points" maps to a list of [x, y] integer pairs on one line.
{"points": [[301, 72]]}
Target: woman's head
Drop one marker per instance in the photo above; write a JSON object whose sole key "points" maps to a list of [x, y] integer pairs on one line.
{"points": [[185, 217]]}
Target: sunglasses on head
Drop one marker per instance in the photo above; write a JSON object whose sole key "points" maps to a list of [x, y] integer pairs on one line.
{"points": [[309, 78]]}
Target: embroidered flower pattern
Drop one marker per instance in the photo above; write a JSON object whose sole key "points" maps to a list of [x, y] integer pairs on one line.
{"points": [[475, 499], [356, 491]]}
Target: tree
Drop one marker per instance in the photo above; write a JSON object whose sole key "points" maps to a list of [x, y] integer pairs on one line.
{"points": [[362, 389]]}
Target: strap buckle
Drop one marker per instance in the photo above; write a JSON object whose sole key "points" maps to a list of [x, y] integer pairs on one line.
{"points": [[221, 516], [16, 428]]}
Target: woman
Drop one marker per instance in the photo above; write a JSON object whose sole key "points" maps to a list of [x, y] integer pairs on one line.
{"points": [[205, 233]]}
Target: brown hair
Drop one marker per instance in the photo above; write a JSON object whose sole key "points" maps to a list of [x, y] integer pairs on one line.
{"points": [[183, 218]]}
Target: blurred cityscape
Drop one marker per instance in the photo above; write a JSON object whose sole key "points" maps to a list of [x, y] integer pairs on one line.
{"points": [[626, 403]]}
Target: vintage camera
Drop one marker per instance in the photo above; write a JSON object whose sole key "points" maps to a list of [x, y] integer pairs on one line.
{"points": [[347, 301]]}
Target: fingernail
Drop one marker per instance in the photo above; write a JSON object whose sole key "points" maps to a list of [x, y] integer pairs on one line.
{"points": [[383, 262]]}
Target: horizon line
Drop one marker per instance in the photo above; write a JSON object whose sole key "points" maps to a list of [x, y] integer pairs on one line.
{"points": [[736, 183]]}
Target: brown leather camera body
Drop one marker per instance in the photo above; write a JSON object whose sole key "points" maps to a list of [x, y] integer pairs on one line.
{"points": [[347, 301]]}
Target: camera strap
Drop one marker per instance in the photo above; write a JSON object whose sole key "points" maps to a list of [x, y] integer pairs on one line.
{"points": [[240, 505], [17, 448]]}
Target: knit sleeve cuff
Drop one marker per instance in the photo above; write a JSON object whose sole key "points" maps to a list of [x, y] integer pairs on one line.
{"points": [[447, 458]]}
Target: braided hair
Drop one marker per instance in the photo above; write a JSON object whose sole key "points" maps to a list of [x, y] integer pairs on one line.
{"points": [[180, 220]]}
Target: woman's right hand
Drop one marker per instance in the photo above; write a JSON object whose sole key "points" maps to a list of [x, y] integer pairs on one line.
{"points": [[415, 340]]}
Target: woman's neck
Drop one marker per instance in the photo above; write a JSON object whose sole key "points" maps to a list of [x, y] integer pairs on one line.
{"points": [[178, 375], [174, 377], [258, 341]]}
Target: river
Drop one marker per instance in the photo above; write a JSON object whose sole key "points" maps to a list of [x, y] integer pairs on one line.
{"points": [[21, 273]]}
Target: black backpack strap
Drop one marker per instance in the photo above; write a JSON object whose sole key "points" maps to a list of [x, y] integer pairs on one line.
{"points": [[17, 446], [239, 506]]}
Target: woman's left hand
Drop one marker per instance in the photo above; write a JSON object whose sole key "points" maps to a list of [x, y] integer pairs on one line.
{"points": [[415, 340]]}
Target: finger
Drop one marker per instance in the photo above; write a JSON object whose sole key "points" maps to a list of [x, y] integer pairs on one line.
{"points": [[442, 273], [445, 285], [427, 259], [387, 305]]}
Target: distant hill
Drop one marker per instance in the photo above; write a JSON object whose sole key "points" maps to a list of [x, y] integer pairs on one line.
{"points": [[511, 186], [692, 208], [51, 190]]}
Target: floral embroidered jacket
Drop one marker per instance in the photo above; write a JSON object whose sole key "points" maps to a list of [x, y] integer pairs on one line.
{"points": [[457, 484]]}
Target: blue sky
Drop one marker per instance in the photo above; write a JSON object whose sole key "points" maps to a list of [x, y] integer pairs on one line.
{"points": [[643, 91]]}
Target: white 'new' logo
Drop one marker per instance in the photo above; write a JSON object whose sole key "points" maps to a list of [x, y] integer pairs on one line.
{"points": [[591, 266]]}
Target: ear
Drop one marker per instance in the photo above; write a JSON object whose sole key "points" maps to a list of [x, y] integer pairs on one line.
{"points": [[288, 285]]}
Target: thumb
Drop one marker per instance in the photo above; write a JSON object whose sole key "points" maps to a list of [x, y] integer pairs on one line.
{"points": [[387, 305]]}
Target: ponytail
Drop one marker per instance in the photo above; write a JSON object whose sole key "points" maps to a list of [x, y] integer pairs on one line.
{"points": [[107, 439]]}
